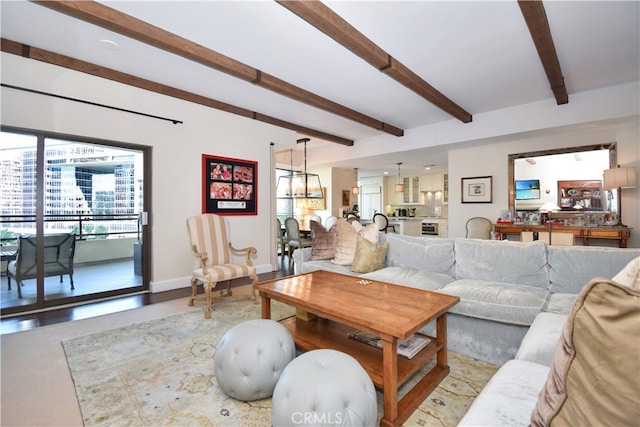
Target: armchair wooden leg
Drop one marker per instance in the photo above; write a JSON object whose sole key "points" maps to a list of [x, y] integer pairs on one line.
{"points": [[229, 291], [208, 287], [254, 279], [194, 290]]}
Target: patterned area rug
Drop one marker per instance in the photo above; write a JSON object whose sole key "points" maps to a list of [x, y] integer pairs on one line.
{"points": [[161, 372]]}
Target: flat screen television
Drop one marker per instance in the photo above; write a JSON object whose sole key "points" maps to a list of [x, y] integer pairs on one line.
{"points": [[527, 189]]}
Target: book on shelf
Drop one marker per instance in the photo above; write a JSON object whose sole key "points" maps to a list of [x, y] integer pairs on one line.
{"points": [[406, 347]]}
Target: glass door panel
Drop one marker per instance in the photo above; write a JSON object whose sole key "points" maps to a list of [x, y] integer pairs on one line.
{"points": [[85, 202], [18, 202]]}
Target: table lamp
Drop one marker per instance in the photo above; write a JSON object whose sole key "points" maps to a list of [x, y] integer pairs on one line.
{"points": [[546, 209], [618, 179]]}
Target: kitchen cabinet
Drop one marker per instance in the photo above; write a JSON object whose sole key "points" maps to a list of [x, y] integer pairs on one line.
{"points": [[445, 188], [411, 193], [409, 196], [432, 182]]}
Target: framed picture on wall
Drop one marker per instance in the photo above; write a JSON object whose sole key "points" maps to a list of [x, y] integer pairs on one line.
{"points": [[477, 189], [229, 186], [346, 197]]}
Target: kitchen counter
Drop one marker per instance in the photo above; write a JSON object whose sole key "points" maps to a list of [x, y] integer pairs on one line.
{"points": [[409, 226]]}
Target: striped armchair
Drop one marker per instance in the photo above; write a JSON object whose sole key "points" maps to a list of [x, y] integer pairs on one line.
{"points": [[209, 235]]}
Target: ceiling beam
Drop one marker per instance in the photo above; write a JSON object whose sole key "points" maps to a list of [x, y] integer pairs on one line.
{"points": [[53, 58], [330, 23], [536, 19], [113, 20]]}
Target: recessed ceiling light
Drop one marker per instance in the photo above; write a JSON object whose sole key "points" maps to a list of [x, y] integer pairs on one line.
{"points": [[109, 44]]}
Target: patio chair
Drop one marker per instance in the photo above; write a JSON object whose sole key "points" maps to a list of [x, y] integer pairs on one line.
{"points": [[213, 254], [59, 250]]}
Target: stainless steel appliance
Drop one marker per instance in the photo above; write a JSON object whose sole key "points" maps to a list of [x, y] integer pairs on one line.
{"points": [[429, 228]]}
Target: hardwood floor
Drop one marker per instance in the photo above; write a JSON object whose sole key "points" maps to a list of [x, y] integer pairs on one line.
{"points": [[99, 308]]}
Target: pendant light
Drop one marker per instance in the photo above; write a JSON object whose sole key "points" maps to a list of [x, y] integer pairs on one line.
{"points": [[399, 186], [301, 185], [356, 190], [284, 189]]}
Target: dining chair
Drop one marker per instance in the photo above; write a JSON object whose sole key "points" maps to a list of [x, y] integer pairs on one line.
{"points": [[213, 257], [479, 228], [316, 218], [382, 222], [281, 238], [330, 222], [294, 237]]}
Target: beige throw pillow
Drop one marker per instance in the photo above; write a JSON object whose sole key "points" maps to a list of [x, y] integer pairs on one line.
{"points": [[347, 234], [630, 274], [323, 242], [369, 256], [594, 378]]}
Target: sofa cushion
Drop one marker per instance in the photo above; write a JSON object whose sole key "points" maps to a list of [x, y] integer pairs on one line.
{"points": [[630, 274], [509, 397], [323, 242], [570, 268], [560, 303], [369, 256], [309, 266], [539, 345], [498, 301], [411, 277], [502, 261], [435, 255], [594, 375]]}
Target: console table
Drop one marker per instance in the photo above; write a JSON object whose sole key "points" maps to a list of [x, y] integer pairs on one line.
{"points": [[621, 234]]}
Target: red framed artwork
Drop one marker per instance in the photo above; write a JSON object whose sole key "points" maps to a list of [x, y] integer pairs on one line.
{"points": [[229, 186]]}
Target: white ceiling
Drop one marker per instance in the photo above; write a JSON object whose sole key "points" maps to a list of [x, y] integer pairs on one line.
{"points": [[477, 53]]}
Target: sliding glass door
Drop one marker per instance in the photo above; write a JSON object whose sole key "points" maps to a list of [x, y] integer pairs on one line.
{"points": [[72, 222]]}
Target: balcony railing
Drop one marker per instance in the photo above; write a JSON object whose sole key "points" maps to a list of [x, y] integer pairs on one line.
{"points": [[86, 227]]}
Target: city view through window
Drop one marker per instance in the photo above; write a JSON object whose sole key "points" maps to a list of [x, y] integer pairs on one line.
{"points": [[91, 191]]}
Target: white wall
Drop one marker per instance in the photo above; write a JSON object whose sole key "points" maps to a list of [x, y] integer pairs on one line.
{"points": [[177, 150], [492, 160]]}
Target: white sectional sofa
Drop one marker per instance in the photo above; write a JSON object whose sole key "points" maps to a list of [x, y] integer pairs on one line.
{"points": [[516, 302], [502, 285]]}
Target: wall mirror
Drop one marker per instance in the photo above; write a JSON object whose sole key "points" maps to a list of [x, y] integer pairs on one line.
{"points": [[549, 176]]}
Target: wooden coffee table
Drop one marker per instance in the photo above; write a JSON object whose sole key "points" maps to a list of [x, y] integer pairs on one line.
{"points": [[391, 312]]}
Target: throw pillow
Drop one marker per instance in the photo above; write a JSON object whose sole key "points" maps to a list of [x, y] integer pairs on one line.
{"points": [[594, 376], [346, 244], [630, 274], [369, 256], [323, 242]]}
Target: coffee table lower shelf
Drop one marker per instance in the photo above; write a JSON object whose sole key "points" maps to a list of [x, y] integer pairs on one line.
{"points": [[322, 333]]}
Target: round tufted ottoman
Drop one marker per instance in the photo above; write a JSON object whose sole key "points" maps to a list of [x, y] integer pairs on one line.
{"points": [[250, 358], [324, 388]]}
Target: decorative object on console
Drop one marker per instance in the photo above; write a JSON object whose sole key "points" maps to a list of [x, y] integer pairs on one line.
{"points": [[620, 178], [546, 209], [477, 189], [399, 185]]}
